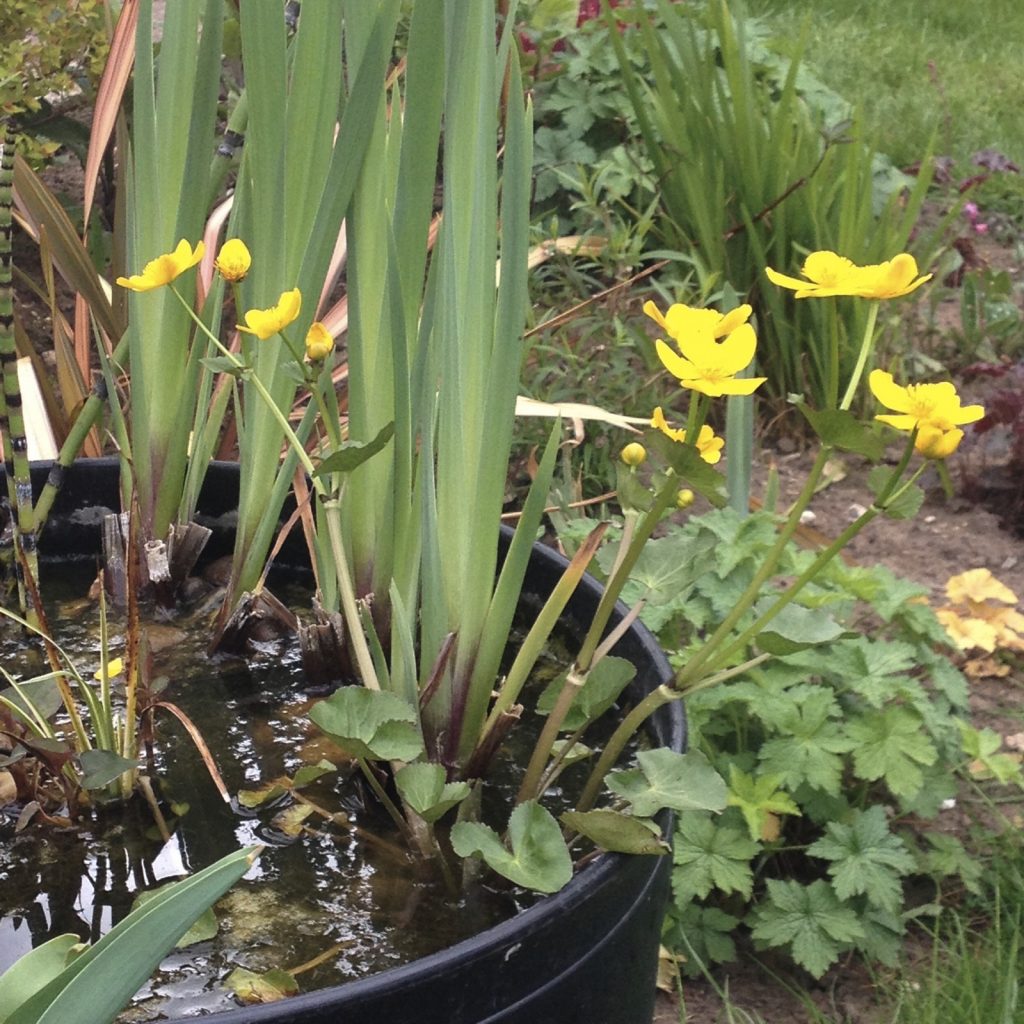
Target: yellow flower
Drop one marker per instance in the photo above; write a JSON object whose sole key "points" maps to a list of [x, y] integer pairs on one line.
{"points": [[633, 454], [709, 444], [891, 279], [319, 343], [164, 269], [233, 260], [830, 274], [265, 323], [978, 585], [114, 668], [934, 409], [681, 320], [685, 498], [703, 363]]}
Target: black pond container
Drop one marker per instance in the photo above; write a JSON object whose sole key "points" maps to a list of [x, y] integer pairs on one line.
{"points": [[586, 955]]}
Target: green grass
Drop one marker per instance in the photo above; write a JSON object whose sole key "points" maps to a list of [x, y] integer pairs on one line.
{"points": [[881, 56]]}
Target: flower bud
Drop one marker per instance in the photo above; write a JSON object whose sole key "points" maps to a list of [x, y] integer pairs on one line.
{"points": [[633, 454], [233, 260], [685, 498], [319, 343]]}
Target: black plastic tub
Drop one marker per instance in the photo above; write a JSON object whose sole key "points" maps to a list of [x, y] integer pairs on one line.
{"points": [[586, 955]]}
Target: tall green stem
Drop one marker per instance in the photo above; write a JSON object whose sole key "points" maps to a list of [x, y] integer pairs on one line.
{"points": [[862, 356]]}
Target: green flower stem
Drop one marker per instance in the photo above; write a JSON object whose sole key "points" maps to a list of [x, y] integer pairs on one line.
{"points": [[726, 674], [862, 356], [833, 356], [620, 576], [348, 597], [540, 632], [250, 377], [663, 695], [689, 672], [529, 789], [297, 354], [696, 415], [347, 592], [386, 801], [889, 494]]}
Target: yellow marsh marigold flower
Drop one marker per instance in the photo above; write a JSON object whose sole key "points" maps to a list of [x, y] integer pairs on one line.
{"points": [[633, 454], [703, 362], [934, 409], [164, 269], [319, 343], [681, 320], [830, 274], [265, 323], [685, 498], [891, 279], [233, 260], [709, 444]]}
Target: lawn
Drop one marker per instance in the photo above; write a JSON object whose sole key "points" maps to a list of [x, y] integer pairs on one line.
{"points": [[952, 70]]}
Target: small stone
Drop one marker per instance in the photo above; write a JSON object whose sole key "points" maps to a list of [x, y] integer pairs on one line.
{"points": [[929, 519], [1009, 562], [855, 511], [949, 804], [807, 516]]}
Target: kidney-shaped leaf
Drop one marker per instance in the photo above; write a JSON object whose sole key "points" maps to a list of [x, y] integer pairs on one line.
{"points": [[616, 832], [683, 782], [796, 628], [371, 724], [351, 455], [605, 681], [268, 987], [539, 858], [101, 767], [424, 789]]}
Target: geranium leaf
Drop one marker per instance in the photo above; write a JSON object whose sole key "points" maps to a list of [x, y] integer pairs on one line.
{"points": [[711, 855], [758, 799], [867, 859], [810, 920]]}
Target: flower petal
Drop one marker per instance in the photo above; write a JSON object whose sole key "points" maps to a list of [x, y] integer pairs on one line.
{"points": [[680, 368], [736, 352], [888, 392]]}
